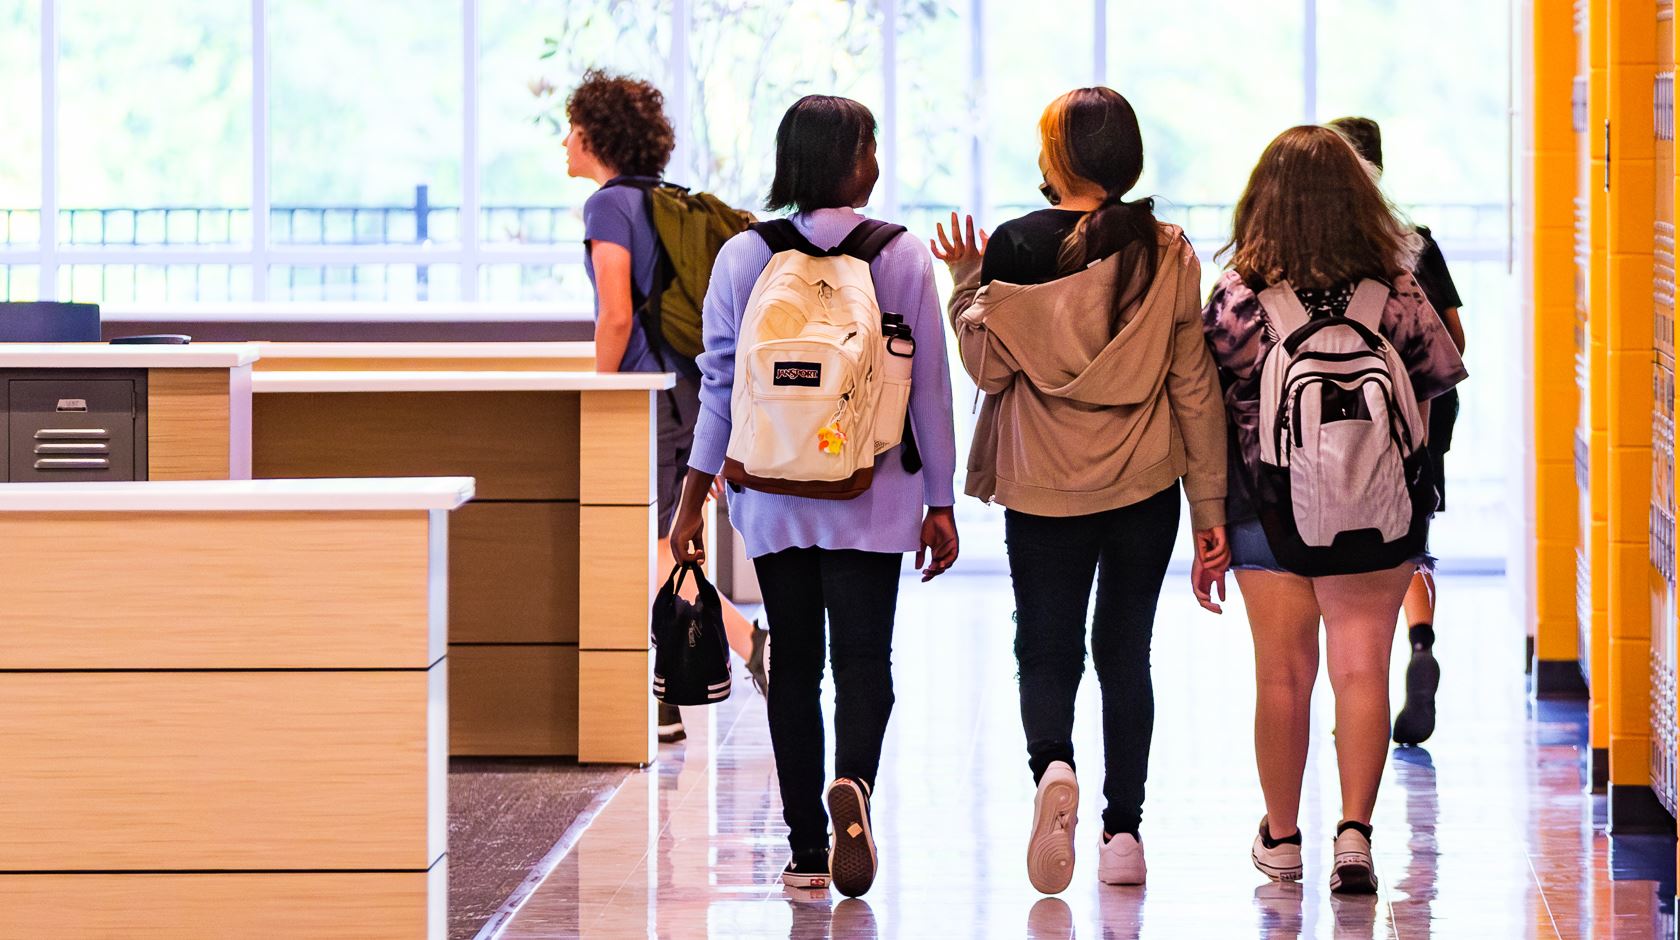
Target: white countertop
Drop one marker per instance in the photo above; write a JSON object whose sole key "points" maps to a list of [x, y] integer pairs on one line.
{"points": [[395, 493], [403, 381], [344, 312], [400, 350], [135, 356]]}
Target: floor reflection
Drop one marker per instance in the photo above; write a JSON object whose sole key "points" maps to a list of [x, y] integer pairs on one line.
{"points": [[1484, 833]]}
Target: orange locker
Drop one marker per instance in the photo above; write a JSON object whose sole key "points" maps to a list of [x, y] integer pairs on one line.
{"points": [[1664, 624]]}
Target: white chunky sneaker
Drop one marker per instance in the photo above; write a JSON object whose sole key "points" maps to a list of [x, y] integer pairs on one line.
{"points": [[1055, 813], [1279, 862], [1353, 871], [1120, 861]]}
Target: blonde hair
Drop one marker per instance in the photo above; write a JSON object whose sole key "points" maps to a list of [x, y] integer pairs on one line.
{"points": [[1092, 135]]}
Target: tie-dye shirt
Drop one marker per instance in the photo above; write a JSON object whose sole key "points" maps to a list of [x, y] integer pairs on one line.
{"points": [[1240, 337]]}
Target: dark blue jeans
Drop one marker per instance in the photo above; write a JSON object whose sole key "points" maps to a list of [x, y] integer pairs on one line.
{"points": [[1053, 562]]}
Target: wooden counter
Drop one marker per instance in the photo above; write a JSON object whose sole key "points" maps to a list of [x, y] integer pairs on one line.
{"points": [[548, 642], [223, 708], [198, 399], [384, 357]]}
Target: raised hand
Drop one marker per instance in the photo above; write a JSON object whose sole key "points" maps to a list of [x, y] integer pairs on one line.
{"points": [[961, 252]]}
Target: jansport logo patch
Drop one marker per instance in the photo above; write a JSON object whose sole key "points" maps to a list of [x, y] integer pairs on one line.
{"points": [[800, 374]]}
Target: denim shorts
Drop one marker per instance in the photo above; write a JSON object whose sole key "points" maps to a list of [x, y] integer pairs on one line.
{"points": [[1251, 551], [1249, 548]]}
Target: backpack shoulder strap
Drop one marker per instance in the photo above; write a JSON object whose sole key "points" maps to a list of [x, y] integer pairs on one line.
{"points": [[643, 183], [868, 239], [1369, 300], [1283, 309], [782, 235]]}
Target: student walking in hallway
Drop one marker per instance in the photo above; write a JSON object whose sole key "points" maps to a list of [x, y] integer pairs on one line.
{"points": [[620, 137], [1080, 324], [1326, 347], [1416, 720], [789, 303]]}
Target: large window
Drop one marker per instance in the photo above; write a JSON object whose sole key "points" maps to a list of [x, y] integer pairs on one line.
{"points": [[408, 150]]}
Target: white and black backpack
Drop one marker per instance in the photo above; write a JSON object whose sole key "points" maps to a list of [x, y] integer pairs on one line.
{"points": [[822, 375], [1345, 485]]}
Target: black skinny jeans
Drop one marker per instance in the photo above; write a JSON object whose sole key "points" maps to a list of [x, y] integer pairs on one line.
{"points": [[1053, 562], [858, 593]]}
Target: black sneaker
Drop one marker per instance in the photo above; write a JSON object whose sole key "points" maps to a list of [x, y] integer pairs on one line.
{"points": [[807, 869], [1416, 721], [852, 860], [670, 724]]}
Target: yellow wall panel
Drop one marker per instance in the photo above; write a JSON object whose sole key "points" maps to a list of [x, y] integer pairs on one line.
{"points": [[1554, 178], [1633, 207], [1630, 760], [1598, 446], [1632, 313], [1630, 598], [1556, 600], [1554, 517], [1630, 502]]}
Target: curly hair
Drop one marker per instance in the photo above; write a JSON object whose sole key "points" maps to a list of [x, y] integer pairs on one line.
{"points": [[1314, 216], [623, 121]]}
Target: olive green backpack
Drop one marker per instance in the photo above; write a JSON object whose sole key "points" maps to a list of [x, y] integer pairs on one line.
{"points": [[691, 228]]}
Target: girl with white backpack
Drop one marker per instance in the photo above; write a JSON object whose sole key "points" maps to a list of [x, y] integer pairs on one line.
{"points": [[1328, 353], [825, 404]]}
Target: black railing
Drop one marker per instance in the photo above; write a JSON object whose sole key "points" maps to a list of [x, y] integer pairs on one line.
{"points": [[421, 221]]}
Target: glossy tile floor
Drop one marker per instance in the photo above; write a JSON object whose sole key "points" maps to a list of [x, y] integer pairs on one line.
{"points": [[1484, 834]]}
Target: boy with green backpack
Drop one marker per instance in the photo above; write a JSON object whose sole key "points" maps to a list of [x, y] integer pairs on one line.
{"points": [[649, 247]]}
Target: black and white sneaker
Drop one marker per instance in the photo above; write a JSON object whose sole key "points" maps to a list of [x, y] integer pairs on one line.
{"points": [[807, 869], [1353, 872], [852, 860], [670, 724], [1277, 859]]}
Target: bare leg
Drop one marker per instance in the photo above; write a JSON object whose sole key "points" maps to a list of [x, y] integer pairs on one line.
{"points": [[1359, 614], [1283, 614], [1420, 600], [735, 623]]}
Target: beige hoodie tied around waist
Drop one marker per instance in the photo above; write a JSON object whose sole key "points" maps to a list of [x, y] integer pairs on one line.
{"points": [[1079, 419]]}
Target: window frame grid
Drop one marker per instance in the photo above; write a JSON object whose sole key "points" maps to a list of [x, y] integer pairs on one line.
{"points": [[471, 254]]}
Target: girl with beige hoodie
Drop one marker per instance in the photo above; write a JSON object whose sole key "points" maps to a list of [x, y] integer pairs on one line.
{"points": [[1081, 324]]}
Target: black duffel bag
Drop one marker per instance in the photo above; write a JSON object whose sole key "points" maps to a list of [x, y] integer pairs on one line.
{"points": [[691, 651]]}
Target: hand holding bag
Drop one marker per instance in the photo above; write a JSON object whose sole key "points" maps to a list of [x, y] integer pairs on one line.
{"points": [[691, 651]]}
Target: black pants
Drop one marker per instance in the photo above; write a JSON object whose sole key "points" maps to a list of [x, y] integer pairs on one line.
{"points": [[858, 593], [1053, 562]]}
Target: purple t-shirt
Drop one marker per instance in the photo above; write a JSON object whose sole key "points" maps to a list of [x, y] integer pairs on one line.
{"points": [[619, 215]]}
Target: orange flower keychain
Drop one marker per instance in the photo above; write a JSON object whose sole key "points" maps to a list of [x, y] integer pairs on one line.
{"points": [[831, 440]]}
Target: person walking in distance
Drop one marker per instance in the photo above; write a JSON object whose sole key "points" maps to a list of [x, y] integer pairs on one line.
{"points": [[1416, 719]]}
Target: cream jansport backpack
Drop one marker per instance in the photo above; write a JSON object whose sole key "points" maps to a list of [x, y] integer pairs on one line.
{"points": [[822, 376]]}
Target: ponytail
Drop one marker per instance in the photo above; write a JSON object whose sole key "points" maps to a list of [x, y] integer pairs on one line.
{"points": [[1109, 229], [1092, 134]]}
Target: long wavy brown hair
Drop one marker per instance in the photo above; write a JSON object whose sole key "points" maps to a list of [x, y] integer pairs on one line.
{"points": [[1314, 216]]}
